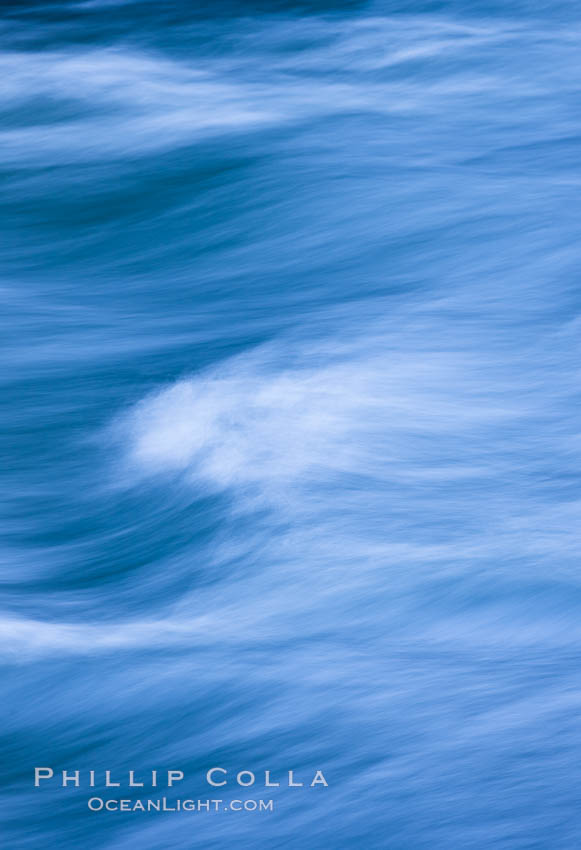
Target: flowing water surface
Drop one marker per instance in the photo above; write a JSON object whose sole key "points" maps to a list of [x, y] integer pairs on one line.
{"points": [[291, 418]]}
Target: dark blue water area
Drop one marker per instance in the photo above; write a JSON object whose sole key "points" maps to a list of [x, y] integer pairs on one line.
{"points": [[290, 338]]}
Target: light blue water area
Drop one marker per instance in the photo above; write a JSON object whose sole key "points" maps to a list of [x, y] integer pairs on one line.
{"points": [[291, 419]]}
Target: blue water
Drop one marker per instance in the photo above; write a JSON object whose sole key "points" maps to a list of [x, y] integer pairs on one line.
{"points": [[291, 418]]}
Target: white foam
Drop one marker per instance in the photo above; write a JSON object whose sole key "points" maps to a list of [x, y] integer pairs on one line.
{"points": [[366, 410]]}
